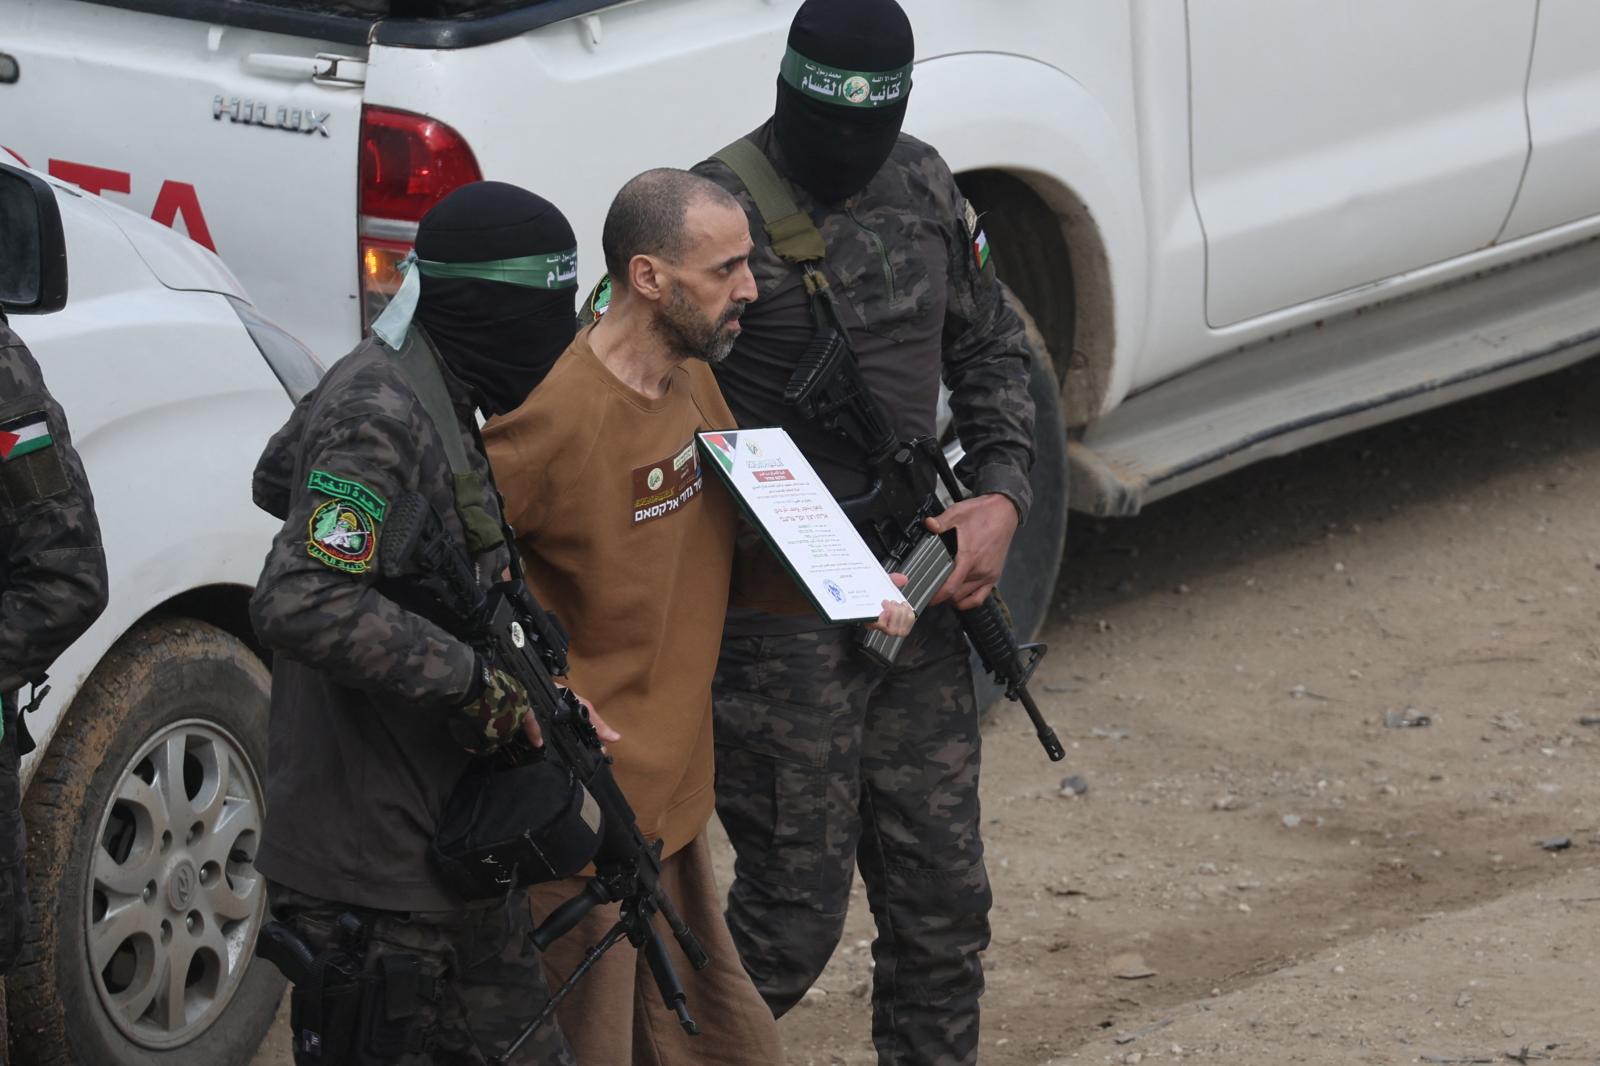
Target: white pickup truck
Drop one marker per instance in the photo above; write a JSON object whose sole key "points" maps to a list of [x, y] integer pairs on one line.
{"points": [[1241, 225], [144, 800]]}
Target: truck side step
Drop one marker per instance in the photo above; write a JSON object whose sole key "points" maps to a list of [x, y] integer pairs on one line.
{"points": [[1327, 379]]}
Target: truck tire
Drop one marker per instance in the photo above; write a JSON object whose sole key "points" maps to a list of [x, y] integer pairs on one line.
{"points": [[1028, 584], [144, 817]]}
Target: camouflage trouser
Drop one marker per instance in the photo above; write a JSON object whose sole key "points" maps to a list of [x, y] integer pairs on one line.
{"points": [[481, 977], [823, 760], [13, 847]]}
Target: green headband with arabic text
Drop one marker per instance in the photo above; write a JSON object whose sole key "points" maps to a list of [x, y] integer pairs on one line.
{"points": [[557, 270], [845, 88]]}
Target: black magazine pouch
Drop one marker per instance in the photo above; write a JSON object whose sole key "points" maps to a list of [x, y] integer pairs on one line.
{"points": [[389, 1010]]}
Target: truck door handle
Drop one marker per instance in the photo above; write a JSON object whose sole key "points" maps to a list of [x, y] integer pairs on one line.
{"points": [[323, 68]]}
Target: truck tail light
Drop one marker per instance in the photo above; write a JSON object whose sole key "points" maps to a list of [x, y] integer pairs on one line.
{"points": [[408, 163]]}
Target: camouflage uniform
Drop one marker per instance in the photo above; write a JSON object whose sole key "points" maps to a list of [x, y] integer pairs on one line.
{"points": [[52, 583], [368, 734], [824, 759], [481, 977]]}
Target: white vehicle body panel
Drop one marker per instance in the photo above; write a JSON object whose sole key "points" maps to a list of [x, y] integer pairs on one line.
{"points": [[134, 94], [1563, 180], [1339, 155], [1337, 144], [169, 403]]}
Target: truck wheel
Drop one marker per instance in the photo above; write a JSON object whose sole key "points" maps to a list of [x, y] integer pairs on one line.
{"points": [[144, 818], [1029, 580]]}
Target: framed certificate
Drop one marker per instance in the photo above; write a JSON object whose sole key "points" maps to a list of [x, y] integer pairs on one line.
{"points": [[801, 521]]}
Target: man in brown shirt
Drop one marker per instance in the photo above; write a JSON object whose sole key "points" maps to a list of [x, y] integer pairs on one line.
{"points": [[632, 547]]}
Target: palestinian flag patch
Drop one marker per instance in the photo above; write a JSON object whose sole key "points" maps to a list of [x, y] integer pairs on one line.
{"points": [[980, 249], [25, 436]]}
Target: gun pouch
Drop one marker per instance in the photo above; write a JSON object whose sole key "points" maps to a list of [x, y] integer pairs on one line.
{"points": [[389, 1021], [325, 1010], [506, 827]]}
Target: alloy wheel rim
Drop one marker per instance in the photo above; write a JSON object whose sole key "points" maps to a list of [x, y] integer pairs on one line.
{"points": [[173, 901]]}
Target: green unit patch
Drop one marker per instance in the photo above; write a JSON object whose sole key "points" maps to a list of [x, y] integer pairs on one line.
{"points": [[351, 491], [344, 536]]}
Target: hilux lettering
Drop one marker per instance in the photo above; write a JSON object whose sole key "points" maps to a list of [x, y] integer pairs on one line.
{"points": [[261, 113]]}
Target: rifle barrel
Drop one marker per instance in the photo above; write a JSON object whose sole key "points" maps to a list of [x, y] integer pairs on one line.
{"points": [[1047, 736]]}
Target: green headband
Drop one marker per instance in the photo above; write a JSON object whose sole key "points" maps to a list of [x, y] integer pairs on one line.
{"points": [[558, 270], [845, 88]]}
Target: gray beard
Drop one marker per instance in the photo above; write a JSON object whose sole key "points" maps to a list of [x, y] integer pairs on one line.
{"points": [[690, 336]]}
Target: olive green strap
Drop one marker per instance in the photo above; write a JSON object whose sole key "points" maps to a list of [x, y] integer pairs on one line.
{"points": [[794, 236], [419, 365]]}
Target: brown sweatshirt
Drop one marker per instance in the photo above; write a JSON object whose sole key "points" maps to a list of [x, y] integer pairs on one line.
{"points": [[631, 546]]}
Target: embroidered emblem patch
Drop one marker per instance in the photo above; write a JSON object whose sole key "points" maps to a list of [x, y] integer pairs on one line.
{"points": [[600, 298], [344, 536], [980, 249]]}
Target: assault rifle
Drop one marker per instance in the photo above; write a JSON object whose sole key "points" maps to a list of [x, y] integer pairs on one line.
{"points": [[516, 635], [826, 387]]}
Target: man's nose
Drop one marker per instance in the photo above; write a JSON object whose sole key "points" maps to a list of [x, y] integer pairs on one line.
{"points": [[745, 291]]}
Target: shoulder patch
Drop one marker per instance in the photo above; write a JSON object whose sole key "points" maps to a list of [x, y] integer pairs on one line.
{"points": [[970, 216], [343, 535], [600, 299], [349, 491], [30, 465], [979, 239]]}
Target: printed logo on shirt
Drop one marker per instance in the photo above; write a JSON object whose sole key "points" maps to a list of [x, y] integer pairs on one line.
{"points": [[662, 487]]}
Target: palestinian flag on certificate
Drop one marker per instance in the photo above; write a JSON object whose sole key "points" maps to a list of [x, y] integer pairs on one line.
{"points": [[30, 434], [721, 445], [980, 249]]}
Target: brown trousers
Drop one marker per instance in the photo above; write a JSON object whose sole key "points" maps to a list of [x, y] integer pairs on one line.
{"points": [[615, 1015]]}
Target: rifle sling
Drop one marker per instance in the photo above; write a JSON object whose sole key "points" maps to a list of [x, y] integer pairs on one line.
{"points": [[794, 236], [418, 363]]}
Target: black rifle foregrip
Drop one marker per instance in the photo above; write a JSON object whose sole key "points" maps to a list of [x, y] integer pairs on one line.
{"points": [[993, 640], [991, 637]]}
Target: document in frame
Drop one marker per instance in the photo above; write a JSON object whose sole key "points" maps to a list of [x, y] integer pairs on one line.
{"points": [[799, 518]]}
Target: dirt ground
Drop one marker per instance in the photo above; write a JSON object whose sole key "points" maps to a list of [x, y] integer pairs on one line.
{"points": [[1300, 881]]}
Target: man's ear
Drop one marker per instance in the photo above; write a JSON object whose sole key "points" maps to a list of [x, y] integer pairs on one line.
{"points": [[644, 276]]}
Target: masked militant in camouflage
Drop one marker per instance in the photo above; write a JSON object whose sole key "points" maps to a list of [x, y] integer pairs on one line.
{"points": [[826, 759], [377, 707], [52, 585]]}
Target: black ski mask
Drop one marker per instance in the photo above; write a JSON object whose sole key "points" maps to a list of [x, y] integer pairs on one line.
{"points": [[842, 93], [501, 336]]}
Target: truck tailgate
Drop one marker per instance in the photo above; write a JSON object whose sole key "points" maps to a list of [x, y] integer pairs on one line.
{"points": [[243, 139]]}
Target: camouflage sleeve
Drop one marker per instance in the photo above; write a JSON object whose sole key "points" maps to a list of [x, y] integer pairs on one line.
{"points": [[317, 599], [986, 361], [272, 485], [55, 567]]}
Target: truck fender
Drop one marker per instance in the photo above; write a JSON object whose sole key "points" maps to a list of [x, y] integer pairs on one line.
{"points": [[1011, 113]]}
